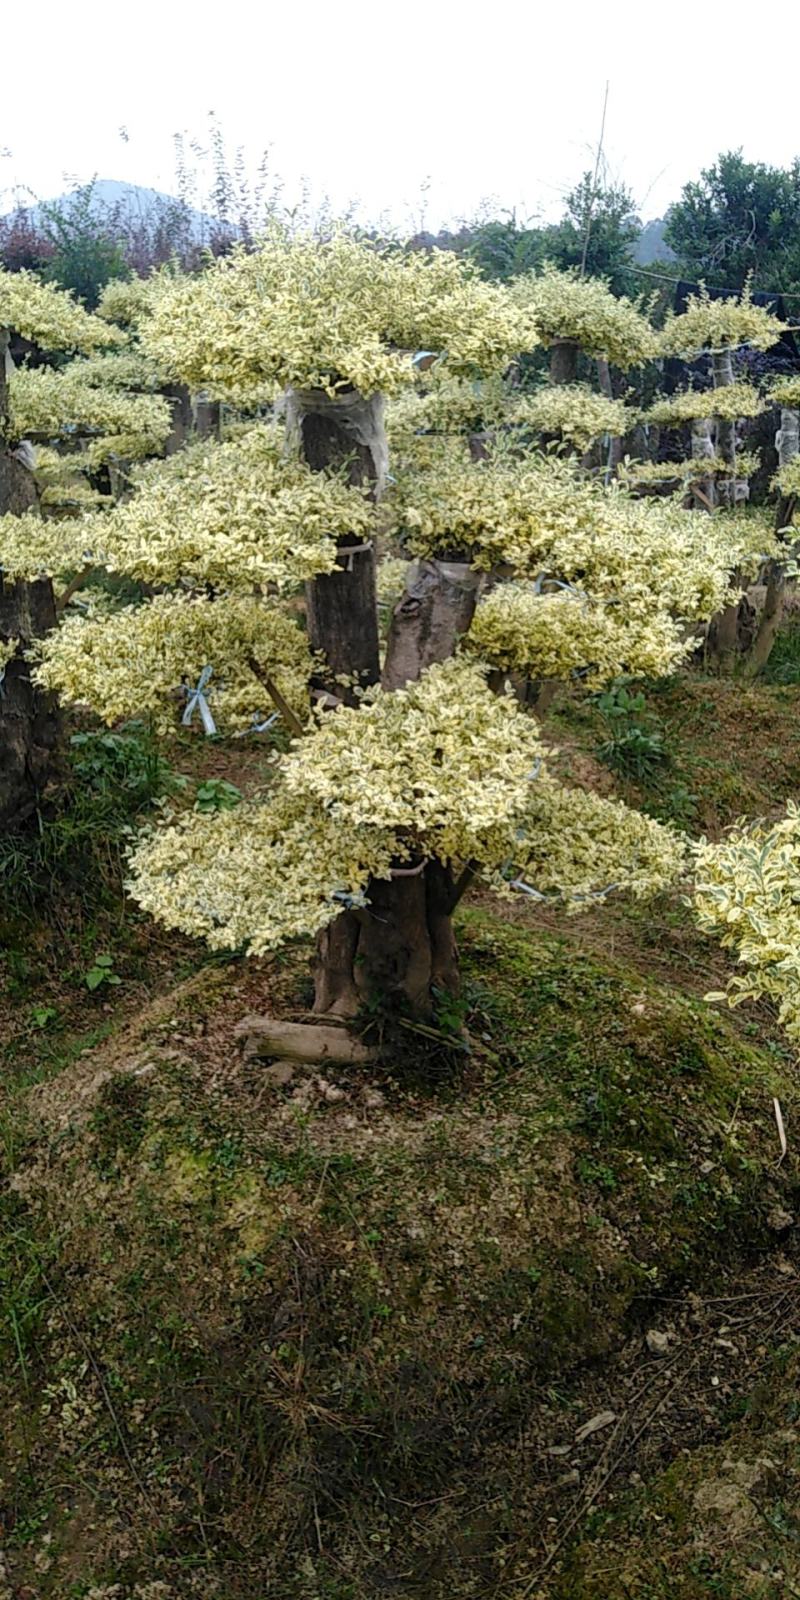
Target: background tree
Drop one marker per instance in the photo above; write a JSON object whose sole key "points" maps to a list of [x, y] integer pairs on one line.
{"points": [[595, 235], [719, 471], [739, 220], [44, 404], [747, 893]]}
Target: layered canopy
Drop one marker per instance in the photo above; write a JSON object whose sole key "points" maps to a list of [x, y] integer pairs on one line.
{"points": [[329, 315], [748, 893], [563, 305], [442, 769]]}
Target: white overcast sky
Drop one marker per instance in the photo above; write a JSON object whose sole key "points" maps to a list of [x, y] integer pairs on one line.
{"points": [[478, 99]]}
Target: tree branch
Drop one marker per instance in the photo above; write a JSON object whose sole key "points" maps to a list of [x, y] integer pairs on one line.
{"points": [[276, 697], [72, 588], [464, 881]]}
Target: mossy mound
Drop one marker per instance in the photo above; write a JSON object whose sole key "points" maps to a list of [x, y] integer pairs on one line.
{"points": [[301, 1341]]}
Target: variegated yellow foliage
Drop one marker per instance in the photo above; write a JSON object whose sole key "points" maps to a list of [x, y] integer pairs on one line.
{"points": [[442, 769], [49, 316], [575, 844], [694, 468], [708, 324], [446, 405], [575, 411], [258, 875], [62, 482], [542, 516], [238, 516], [786, 392], [8, 649], [747, 893], [233, 515], [328, 314], [51, 405], [559, 635], [127, 300], [442, 759], [729, 402], [32, 546], [564, 305], [390, 578], [118, 369], [135, 661], [788, 478]]}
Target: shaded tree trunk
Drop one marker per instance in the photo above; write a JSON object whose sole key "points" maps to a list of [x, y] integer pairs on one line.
{"points": [[193, 417], [436, 608], [563, 361], [731, 632], [29, 721], [788, 444], [345, 433], [614, 455], [399, 947], [722, 363], [703, 490]]}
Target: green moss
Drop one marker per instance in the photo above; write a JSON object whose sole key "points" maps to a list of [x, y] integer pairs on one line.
{"points": [[309, 1320]]}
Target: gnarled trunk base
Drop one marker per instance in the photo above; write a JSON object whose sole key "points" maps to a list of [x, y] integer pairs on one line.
{"points": [[400, 951]]}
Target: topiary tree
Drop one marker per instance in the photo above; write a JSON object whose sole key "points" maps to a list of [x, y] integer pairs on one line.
{"points": [[717, 476], [781, 569], [406, 776], [51, 319], [128, 303], [575, 316], [718, 328]]}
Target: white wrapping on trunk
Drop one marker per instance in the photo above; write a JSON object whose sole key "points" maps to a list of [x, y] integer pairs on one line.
{"points": [[360, 418]]}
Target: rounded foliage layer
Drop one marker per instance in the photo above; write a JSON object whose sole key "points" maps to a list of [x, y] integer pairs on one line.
{"points": [[332, 314], [565, 306]]}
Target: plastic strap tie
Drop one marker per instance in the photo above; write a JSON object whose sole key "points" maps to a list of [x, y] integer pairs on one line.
{"points": [[351, 550], [525, 888], [196, 701]]}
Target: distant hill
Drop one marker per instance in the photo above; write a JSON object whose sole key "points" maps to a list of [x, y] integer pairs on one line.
{"points": [[135, 200], [132, 200], [650, 245]]}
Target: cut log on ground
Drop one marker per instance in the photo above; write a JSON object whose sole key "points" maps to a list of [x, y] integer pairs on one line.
{"points": [[301, 1041]]}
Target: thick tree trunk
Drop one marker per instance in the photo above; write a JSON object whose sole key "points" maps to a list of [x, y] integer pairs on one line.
{"points": [[193, 417], [406, 956], [344, 433], [399, 948], [731, 632], [563, 361], [436, 608], [703, 491], [722, 363], [29, 721], [788, 445], [335, 992]]}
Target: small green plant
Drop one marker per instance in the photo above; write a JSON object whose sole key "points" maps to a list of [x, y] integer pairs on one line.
{"points": [[126, 765], [113, 778], [634, 747], [101, 974], [784, 662], [42, 1016], [216, 794]]}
